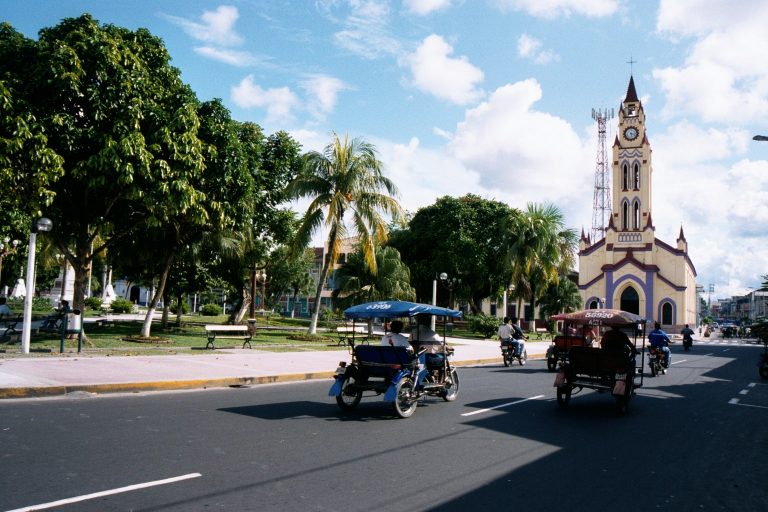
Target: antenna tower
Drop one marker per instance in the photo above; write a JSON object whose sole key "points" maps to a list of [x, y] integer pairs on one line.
{"points": [[601, 206]]}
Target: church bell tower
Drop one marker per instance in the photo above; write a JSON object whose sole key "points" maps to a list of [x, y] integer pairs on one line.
{"points": [[632, 171]]}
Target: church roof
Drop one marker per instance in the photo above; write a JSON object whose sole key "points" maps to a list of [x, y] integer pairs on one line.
{"points": [[631, 92]]}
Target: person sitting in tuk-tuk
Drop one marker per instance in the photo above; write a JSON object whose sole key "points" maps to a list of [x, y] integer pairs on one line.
{"points": [[617, 340], [423, 336], [393, 338]]}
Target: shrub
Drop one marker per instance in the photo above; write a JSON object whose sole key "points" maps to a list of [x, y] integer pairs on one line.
{"points": [[488, 326], [93, 303], [121, 305], [175, 309], [210, 310]]}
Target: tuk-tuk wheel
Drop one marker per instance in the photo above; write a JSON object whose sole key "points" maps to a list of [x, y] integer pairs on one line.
{"points": [[405, 402], [451, 390], [349, 398], [551, 364], [563, 396]]}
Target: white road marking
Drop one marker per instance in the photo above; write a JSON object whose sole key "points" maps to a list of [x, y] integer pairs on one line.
{"points": [[85, 497], [751, 384], [681, 361], [733, 401], [502, 405], [743, 391], [747, 405]]}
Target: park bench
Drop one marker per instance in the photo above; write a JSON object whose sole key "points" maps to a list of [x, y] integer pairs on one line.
{"points": [[543, 332], [346, 333], [8, 324], [214, 332]]}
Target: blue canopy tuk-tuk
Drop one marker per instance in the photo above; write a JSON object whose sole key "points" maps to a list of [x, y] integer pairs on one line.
{"points": [[402, 374]]}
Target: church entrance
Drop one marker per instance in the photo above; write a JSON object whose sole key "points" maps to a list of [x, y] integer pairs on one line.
{"points": [[630, 301]]}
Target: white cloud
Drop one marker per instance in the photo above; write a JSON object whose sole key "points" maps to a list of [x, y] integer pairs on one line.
{"points": [[508, 145], [725, 76], [216, 27], [235, 58], [278, 102], [424, 7], [365, 32], [530, 48], [323, 92], [555, 8], [435, 72]]}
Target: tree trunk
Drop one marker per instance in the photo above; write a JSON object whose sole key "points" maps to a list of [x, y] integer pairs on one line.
{"points": [[147, 327], [245, 301], [179, 309], [323, 275], [166, 311], [295, 298]]}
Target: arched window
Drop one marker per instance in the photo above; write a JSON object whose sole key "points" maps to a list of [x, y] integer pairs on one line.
{"points": [[666, 314], [625, 215], [637, 176], [625, 177], [630, 301], [636, 214]]}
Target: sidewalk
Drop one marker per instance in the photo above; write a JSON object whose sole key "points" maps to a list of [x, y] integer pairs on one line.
{"points": [[56, 376]]}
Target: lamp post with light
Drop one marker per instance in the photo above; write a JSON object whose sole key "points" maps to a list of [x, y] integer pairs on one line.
{"points": [[42, 225], [450, 284]]}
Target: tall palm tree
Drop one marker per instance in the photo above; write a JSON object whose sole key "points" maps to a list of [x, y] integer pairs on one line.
{"points": [[560, 297], [540, 249], [344, 180]]}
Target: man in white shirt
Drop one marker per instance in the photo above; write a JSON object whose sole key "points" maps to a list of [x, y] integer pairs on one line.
{"points": [[424, 337], [393, 338], [505, 331]]}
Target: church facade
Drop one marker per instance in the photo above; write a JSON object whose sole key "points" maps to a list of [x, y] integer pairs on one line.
{"points": [[630, 269]]}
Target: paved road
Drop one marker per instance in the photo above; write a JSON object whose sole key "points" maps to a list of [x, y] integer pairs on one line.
{"points": [[503, 444]]}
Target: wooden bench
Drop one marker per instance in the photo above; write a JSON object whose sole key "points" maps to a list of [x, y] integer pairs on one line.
{"points": [[346, 333], [241, 332]]}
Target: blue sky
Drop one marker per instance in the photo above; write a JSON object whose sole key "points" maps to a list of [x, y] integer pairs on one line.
{"points": [[494, 97]]}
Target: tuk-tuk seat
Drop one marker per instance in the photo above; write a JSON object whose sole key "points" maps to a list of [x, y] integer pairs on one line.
{"points": [[381, 360]]}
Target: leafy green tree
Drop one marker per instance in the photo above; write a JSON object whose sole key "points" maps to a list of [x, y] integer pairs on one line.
{"points": [[461, 237], [289, 272], [539, 249], [124, 125], [345, 179], [355, 283]]}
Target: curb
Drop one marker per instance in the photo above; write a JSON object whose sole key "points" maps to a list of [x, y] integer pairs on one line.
{"points": [[175, 385]]}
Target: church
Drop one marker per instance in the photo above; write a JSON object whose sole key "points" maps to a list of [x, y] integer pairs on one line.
{"points": [[630, 269]]}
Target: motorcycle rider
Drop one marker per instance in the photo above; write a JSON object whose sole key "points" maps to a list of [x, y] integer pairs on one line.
{"points": [[505, 332], [518, 338], [687, 333], [659, 339]]}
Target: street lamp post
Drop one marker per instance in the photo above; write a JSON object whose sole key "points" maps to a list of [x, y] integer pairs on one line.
{"points": [[41, 225], [450, 284]]}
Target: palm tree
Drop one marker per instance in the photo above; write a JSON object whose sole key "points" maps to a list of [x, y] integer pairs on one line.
{"points": [[355, 283], [344, 180], [560, 297], [539, 249]]}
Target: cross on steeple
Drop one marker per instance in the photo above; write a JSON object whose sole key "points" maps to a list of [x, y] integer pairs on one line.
{"points": [[630, 62]]}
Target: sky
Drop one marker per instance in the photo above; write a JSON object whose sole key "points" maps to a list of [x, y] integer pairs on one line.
{"points": [[495, 97]]}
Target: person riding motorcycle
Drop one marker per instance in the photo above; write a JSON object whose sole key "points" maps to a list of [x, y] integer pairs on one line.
{"points": [[659, 339], [518, 338], [687, 333], [505, 331]]}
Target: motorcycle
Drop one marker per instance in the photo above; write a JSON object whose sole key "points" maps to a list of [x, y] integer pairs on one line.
{"points": [[656, 361], [687, 343], [509, 354]]}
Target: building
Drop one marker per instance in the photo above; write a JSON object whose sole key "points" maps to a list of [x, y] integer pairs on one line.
{"points": [[630, 269]]}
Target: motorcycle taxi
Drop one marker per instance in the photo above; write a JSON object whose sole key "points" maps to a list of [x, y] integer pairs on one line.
{"points": [[617, 370], [400, 374]]}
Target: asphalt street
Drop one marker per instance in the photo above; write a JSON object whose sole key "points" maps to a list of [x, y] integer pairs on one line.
{"points": [[694, 439]]}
